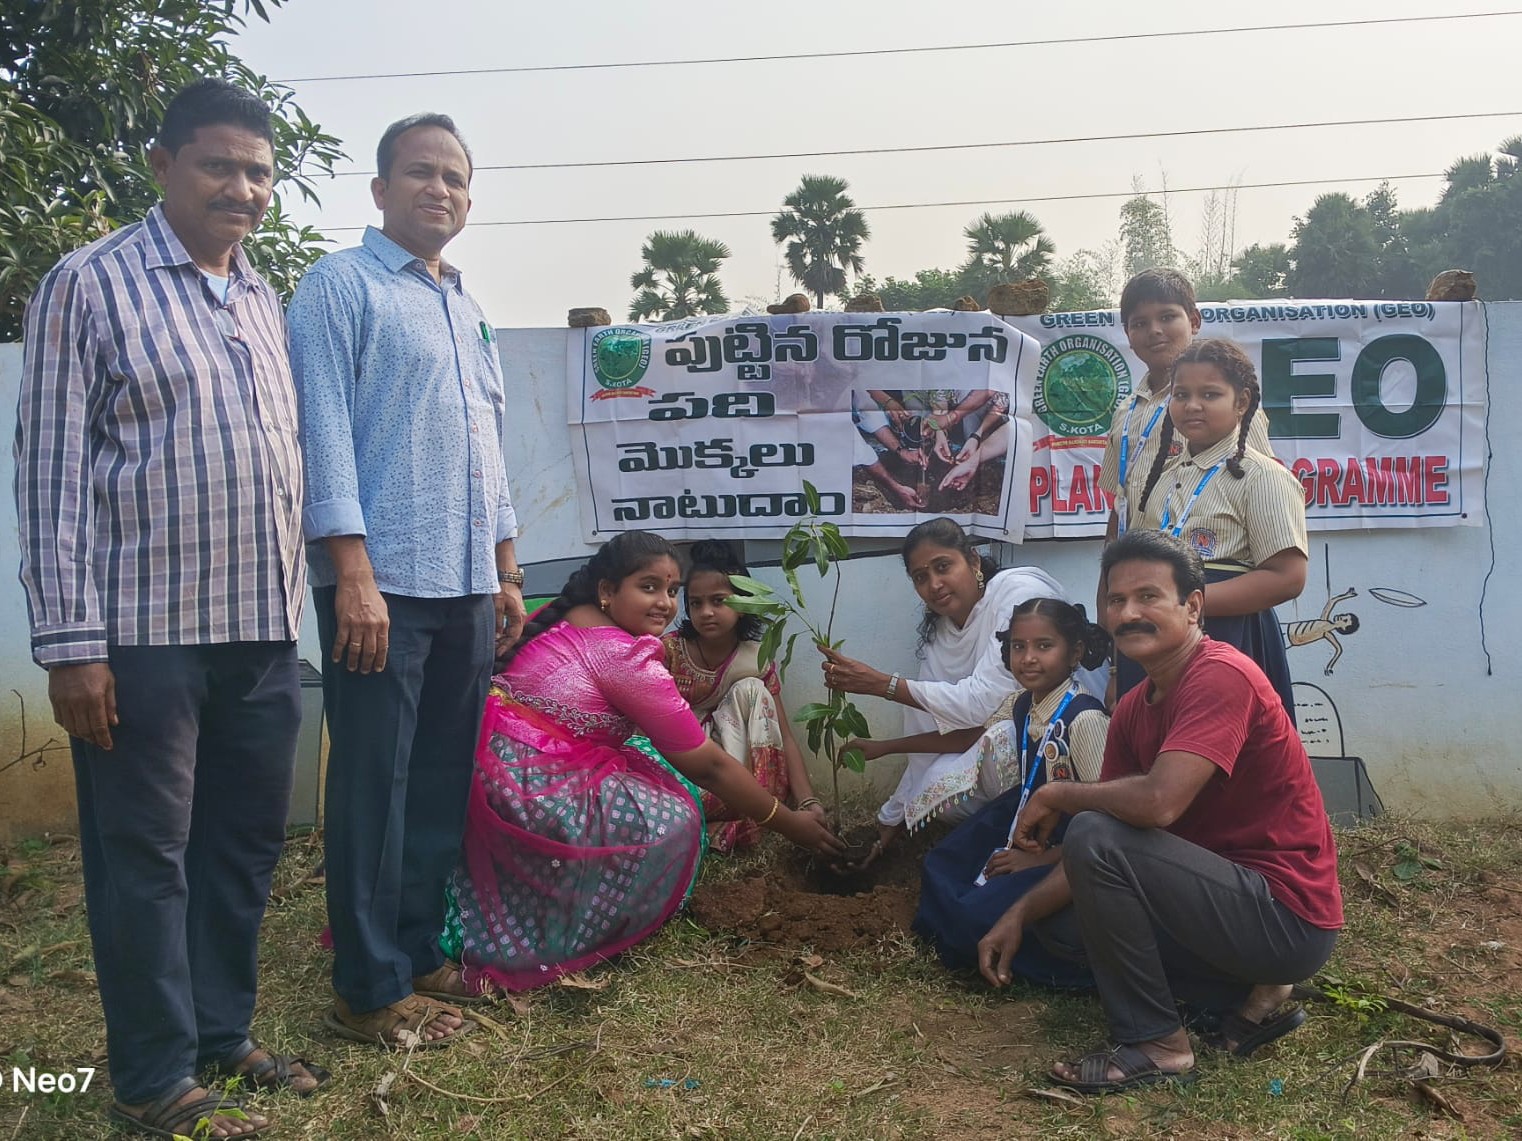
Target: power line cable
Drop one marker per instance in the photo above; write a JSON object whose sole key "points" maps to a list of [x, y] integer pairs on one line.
{"points": [[860, 52], [934, 205], [1186, 133]]}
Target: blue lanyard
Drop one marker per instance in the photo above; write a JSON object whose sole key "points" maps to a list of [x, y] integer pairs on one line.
{"points": [[1178, 529], [1025, 746], [1141, 444]]}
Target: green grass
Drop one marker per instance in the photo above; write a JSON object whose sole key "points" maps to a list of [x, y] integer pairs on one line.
{"points": [[692, 1035]]}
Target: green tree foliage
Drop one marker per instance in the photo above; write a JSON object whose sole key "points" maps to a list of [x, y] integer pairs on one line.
{"points": [[1336, 250], [1083, 281], [824, 232], [1477, 225], [1004, 247], [1146, 236], [1261, 270], [680, 277], [927, 289], [83, 84]]}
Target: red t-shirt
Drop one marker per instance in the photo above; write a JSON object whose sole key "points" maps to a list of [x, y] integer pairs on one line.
{"points": [[1264, 809]]}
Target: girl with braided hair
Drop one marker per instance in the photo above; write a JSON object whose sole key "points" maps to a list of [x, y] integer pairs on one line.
{"points": [[579, 843], [1242, 510]]}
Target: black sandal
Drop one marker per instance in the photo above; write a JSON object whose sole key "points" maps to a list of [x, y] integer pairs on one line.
{"points": [[275, 1072], [164, 1118]]}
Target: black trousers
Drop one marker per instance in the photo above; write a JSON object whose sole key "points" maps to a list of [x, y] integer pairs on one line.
{"points": [[180, 826], [1157, 918], [401, 753]]}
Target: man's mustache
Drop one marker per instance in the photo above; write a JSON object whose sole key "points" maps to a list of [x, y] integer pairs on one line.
{"points": [[1134, 628], [234, 208]]}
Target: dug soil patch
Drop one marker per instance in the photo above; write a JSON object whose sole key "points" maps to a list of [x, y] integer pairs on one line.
{"points": [[796, 901]]}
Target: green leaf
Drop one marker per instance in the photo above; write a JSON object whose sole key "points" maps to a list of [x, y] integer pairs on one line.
{"points": [[811, 713], [1408, 870], [816, 736], [769, 643], [821, 558], [811, 497], [836, 542], [854, 722], [747, 605], [854, 759], [751, 586], [787, 658]]}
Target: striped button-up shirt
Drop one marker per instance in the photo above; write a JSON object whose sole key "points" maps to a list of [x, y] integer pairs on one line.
{"points": [[158, 470]]}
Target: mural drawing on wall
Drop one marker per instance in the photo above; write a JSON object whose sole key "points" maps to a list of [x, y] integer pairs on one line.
{"points": [[1343, 778]]}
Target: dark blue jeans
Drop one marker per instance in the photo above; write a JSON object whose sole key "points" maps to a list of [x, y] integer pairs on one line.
{"points": [[402, 745], [180, 825]]}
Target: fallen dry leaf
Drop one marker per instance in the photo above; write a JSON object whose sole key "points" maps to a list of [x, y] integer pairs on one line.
{"points": [[382, 1088], [582, 982], [1058, 1095]]}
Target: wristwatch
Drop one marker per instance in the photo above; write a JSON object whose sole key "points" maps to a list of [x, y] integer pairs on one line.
{"points": [[514, 577]]}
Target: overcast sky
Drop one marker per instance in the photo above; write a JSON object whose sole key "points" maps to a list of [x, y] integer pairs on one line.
{"points": [[528, 275]]}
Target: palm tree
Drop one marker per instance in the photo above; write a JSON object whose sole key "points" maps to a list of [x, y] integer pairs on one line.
{"points": [[680, 278], [1005, 247], [824, 232]]}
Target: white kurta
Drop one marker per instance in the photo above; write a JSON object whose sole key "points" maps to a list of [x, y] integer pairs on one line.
{"points": [[962, 683]]}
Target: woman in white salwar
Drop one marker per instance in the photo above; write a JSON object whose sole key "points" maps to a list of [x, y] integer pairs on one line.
{"points": [[953, 768]]}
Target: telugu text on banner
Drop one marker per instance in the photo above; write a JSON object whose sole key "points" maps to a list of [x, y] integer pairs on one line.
{"points": [[710, 426]]}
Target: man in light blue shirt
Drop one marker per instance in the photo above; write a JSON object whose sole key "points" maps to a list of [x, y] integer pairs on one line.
{"points": [[410, 530]]}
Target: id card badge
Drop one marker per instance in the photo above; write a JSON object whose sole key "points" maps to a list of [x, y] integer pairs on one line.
{"points": [[1122, 513], [983, 875]]}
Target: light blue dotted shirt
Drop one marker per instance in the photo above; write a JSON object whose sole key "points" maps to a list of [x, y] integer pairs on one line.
{"points": [[401, 421]]}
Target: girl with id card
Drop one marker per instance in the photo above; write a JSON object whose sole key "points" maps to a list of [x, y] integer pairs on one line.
{"points": [[975, 875], [1240, 509]]}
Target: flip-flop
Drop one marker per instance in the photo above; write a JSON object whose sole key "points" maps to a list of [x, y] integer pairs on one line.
{"points": [[1136, 1070], [163, 1118], [1252, 1036], [276, 1071]]}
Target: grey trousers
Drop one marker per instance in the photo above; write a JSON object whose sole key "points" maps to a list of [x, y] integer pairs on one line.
{"points": [[1156, 918]]}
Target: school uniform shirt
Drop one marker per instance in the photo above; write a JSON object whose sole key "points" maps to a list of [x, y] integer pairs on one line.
{"points": [[1131, 419], [1233, 520]]}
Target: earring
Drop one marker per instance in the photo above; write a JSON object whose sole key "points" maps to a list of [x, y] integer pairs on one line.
{"points": [[978, 574], [604, 604]]}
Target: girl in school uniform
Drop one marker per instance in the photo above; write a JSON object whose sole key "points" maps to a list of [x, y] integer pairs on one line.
{"points": [[1242, 510]]}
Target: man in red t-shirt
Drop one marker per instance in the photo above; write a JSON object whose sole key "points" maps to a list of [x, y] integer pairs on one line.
{"points": [[1201, 866]]}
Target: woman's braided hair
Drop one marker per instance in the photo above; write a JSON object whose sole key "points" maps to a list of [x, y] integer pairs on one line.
{"points": [[1228, 359], [947, 533], [1072, 623], [718, 556], [614, 561]]}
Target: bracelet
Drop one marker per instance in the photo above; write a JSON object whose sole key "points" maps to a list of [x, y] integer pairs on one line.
{"points": [[802, 804], [514, 576], [892, 689], [975, 436], [776, 804]]}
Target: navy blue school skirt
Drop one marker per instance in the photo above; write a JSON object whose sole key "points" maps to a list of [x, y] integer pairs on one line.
{"points": [[954, 913]]}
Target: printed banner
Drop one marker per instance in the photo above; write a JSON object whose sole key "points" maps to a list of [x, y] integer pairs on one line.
{"points": [[711, 426], [1378, 407]]}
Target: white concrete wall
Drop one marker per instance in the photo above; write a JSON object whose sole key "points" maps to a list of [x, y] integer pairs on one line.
{"points": [[1413, 693]]}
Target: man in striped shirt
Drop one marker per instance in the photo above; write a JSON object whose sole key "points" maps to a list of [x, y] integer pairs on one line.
{"points": [[158, 488]]}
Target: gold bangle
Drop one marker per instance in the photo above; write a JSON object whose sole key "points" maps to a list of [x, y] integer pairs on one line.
{"points": [[776, 804]]}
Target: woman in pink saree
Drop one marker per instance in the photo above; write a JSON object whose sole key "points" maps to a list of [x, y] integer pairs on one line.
{"points": [[579, 845]]}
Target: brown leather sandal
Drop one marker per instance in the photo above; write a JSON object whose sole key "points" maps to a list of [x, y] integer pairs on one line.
{"points": [[273, 1072], [396, 1026], [436, 984], [167, 1116]]}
